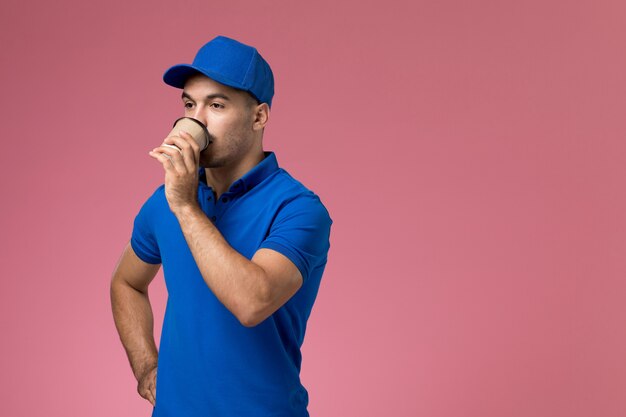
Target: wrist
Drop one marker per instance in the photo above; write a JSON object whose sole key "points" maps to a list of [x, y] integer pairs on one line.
{"points": [[185, 209], [144, 368]]}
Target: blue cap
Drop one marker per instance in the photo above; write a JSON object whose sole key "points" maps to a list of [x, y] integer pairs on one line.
{"points": [[231, 63]]}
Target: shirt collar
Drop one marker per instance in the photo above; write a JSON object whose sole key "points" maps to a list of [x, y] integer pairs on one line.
{"points": [[254, 176]]}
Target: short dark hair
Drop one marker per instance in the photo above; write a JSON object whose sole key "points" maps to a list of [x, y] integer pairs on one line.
{"points": [[252, 101]]}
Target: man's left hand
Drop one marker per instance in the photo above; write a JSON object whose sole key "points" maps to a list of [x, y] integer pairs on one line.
{"points": [[181, 170]]}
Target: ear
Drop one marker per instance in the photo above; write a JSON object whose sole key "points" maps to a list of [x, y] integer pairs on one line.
{"points": [[261, 114]]}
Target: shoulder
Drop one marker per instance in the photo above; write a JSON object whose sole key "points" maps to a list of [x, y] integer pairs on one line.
{"points": [[158, 193], [155, 200], [296, 197]]}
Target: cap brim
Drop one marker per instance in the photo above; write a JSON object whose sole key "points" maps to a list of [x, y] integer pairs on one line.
{"points": [[177, 75]]}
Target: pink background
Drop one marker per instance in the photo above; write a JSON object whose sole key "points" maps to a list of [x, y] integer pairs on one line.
{"points": [[471, 155]]}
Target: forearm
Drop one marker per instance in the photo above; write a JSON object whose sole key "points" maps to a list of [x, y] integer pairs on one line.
{"points": [[133, 317], [235, 280]]}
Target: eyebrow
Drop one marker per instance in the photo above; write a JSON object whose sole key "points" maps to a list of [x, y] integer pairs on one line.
{"points": [[209, 97]]}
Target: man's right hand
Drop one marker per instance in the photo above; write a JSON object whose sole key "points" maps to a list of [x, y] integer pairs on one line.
{"points": [[146, 385], [133, 318]]}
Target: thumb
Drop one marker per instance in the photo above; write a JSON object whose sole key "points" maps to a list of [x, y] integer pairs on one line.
{"points": [[154, 386]]}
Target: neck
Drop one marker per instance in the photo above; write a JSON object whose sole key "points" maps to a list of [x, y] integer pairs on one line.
{"points": [[220, 179]]}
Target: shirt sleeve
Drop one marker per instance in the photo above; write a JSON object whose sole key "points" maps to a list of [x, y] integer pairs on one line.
{"points": [[301, 232], [143, 239]]}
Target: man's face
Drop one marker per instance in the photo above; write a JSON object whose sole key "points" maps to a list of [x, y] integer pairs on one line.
{"points": [[228, 114]]}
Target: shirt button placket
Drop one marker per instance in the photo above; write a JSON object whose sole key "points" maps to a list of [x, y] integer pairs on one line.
{"points": [[210, 198]]}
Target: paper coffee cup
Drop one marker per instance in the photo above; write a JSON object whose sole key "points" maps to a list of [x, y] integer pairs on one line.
{"points": [[194, 127]]}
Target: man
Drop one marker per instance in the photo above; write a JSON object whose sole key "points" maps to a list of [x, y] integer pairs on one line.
{"points": [[243, 246]]}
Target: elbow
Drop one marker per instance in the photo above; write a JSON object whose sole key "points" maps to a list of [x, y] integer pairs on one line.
{"points": [[252, 317], [256, 309], [249, 321]]}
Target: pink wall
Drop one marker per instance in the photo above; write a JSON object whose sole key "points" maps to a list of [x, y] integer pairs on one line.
{"points": [[471, 154]]}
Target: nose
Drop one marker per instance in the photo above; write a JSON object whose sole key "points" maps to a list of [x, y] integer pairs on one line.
{"points": [[198, 115]]}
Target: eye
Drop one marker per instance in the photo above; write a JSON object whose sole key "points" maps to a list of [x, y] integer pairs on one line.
{"points": [[187, 104], [219, 106]]}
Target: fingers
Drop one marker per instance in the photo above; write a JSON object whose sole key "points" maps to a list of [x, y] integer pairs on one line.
{"points": [[183, 140], [151, 396], [149, 393], [163, 158], [147, 386], [152, 389], [172, 158], [189, 149], [173, 147]]}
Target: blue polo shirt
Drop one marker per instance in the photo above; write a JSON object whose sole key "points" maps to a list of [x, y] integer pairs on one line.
{"points": [[210, 365]]}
